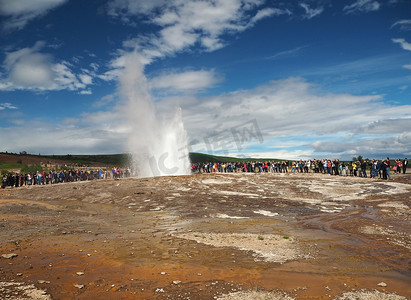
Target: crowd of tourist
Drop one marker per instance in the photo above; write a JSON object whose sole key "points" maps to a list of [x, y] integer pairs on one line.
{"points": [[54, 177], [376, 168]]}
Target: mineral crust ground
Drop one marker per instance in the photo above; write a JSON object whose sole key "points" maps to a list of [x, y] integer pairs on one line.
{"points": [[207, 236]]}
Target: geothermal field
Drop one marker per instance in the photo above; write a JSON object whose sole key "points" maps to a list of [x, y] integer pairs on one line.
{"points": [[208, 236]]}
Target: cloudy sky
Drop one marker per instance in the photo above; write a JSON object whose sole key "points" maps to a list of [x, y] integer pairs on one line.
{"points": [[282, 79]]}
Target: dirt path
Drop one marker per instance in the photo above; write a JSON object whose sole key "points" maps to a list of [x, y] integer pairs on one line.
{"points": [[206, 236]]}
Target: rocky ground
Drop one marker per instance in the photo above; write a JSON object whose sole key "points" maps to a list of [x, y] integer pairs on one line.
{"points": [[209, 236]]}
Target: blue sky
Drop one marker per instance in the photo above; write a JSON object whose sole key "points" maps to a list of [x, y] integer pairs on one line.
{"points": [[283, 79]]}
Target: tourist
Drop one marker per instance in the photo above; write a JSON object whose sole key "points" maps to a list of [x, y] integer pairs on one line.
{"points": [[4, 182], [373, 169], [307, 165], [336, 167], [404, 165], [354, 168], [364, 168], [388, 166], [378, 166], [293, 167], [398, 165]]}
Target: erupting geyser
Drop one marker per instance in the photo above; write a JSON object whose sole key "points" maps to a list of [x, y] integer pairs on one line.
{"points": [[158, 144]]}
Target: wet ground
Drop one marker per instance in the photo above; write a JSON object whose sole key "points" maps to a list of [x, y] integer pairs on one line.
{"points": [[311, 236]]}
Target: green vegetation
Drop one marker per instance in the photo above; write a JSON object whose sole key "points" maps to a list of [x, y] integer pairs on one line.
{"points": [[260, 238], [120, 160], [101, 160], [4, 166], [117, 160], [359, 158], [31, 169]]}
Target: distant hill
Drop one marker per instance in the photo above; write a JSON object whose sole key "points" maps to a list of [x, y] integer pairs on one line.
{"points": [[114, 160], [90, 160], [204, 158], [16, 161]]}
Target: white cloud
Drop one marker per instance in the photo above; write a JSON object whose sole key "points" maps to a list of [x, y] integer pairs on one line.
{"points": [[31, 69], [94, 66], [185, 23], [126, 8], [86, 79], [407, 67], [176, 37], [117, 64], [7, 105], [17, 122], [388, 126], [268, 12], [362, 6], [281, 154], [190, 81], [289, 115], [403, 24], [378, 147], [286, 53], [365, 74], [110, 75], [103, 101], [311, 12], [98, 132], [46, 139], [18, 13], [86, 92], [403, 43], [285, 110]]}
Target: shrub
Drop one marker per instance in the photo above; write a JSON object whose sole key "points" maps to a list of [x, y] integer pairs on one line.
{"points": [[31, 169]]}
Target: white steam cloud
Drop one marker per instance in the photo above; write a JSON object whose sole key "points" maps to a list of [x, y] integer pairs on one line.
{"points": [[158, 144]]}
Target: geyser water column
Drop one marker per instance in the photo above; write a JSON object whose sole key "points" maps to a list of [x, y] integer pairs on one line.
{"points": [[158, 144]]}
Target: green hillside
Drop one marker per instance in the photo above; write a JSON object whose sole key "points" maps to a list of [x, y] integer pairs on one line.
{"points": [[105, 159], [14, 161]]}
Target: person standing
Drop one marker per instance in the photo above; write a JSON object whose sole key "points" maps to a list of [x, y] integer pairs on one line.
{"points": [[373, 169], [384, 169], [364, 168], [404, 165], [398, 166], [388, 166], [336, 167], [379, 164], [354, 168], [4, 181]]}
